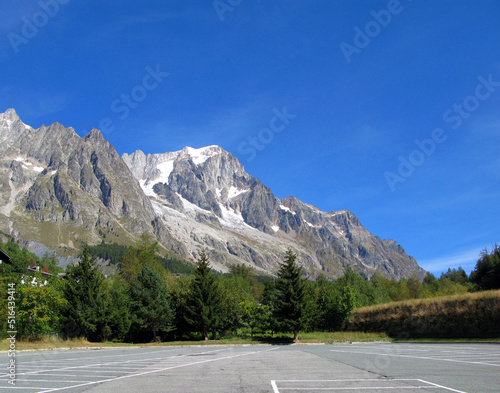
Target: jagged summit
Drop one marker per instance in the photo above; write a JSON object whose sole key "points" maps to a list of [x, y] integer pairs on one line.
{"points": [[94, 135], [199, 156], [9, 115], [158, 168], [11, 127]]}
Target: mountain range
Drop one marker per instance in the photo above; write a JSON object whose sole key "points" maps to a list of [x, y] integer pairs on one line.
{"points": [[58, 189]]}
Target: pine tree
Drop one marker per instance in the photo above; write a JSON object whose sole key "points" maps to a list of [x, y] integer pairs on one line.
{"points": [[82, 291], [203, 303], [289, 306], [149, 303]]}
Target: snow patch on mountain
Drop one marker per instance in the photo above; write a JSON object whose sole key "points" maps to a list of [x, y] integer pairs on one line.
{"points": [[25, 164], [165, 169], [232, 219], [199, 156], [147, 187], [234, 192], [287, 209], [312, 225]]}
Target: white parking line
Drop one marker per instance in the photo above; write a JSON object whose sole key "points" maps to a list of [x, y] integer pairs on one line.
{"points": [[417, 357], [347, 385], [48, 380], [76, 375], [18, 387]]}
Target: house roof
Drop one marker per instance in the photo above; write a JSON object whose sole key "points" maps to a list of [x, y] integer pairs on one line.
{"points": [[4, 257]]}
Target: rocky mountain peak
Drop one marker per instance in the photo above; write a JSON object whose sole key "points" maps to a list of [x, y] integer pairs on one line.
{"points": [[9, 115], [94, 135], [11, 127], [199, 156]]}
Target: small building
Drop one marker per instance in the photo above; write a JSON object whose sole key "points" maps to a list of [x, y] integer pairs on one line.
{"points": [[4, 258]]}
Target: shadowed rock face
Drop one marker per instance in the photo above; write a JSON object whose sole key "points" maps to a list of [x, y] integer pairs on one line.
{"points": [[59, 189]]}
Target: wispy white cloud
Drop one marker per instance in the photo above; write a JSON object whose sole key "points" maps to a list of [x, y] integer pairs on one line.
{"points": [[466, 259]]}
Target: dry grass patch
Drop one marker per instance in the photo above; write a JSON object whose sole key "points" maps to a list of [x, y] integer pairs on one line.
{"points": [[471, 315]]}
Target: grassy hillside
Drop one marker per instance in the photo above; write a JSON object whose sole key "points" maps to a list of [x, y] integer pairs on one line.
{"points": [[472, 315]]}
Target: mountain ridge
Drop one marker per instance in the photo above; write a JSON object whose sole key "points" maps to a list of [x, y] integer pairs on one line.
{"points": [[60, 189], [252, 206]]}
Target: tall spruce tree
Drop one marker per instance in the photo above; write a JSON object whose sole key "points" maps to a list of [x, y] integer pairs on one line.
{"points": [[203, 302], [290, 299], [82, 291], [150, 306]]}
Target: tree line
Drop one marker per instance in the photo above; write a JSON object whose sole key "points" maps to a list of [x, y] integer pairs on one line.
{"points": [[145, 302]]}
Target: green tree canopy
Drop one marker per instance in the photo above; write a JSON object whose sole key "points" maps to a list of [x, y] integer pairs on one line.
{"points": [[289, 307], [486, 274], [203, 302], [38, 309], [150, 306], [144, 252], [82, 290]]}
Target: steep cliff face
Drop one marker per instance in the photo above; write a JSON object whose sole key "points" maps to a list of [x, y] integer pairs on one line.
{"points": [[60, 189], [207, 200]]}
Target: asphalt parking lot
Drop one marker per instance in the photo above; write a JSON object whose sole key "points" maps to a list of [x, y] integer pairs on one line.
{"points": [[260, 368]]}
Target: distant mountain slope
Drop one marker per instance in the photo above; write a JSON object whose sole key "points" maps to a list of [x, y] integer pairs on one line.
{"points": [[58, 190]]}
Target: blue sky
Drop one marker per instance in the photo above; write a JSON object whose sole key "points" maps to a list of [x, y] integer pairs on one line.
{"points": [[387, 108]]}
